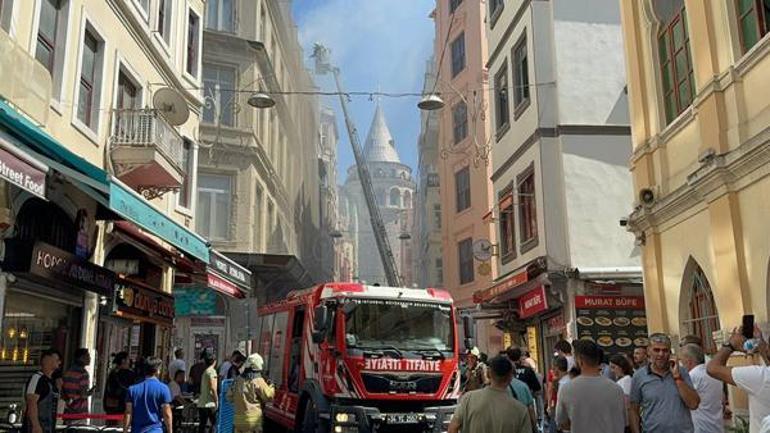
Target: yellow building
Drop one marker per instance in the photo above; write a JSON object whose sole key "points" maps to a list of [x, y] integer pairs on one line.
{"points": [[699, 90]]}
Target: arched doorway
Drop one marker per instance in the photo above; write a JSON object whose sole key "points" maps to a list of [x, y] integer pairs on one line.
{"points": [[698, 311]]}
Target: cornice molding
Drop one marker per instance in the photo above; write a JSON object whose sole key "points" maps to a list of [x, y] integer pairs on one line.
{"points": [[714, 178]]}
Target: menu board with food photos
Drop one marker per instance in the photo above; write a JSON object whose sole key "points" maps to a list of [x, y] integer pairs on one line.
{"points": [[615, 323]]}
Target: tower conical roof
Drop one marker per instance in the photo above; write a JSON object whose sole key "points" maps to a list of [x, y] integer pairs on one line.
{"points": [[379, 146]]}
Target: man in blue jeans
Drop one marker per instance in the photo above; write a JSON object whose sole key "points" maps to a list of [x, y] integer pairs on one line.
{"points": [[148, 402]]}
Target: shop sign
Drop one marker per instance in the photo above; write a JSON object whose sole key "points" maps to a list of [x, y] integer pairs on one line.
{"points": [[224, 286], [55, 264], [140, 212], [509, 283], [532, 336], [532, 302], [610, 302], [195, 302], [229, 270], [142, 302], [616, 323], [556, 324], [21, 173]]}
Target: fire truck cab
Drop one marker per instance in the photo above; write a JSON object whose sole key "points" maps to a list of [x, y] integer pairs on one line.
{"points": [[353, 358]]}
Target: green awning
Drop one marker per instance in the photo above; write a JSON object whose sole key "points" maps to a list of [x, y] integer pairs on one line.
{"points": [[95, 181], [27, 131]]}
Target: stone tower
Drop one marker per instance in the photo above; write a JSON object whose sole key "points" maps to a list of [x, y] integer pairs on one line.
{"points": [[394, 191]]}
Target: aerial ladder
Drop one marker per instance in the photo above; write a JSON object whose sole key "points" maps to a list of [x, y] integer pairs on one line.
{"points": [[324, 66]]}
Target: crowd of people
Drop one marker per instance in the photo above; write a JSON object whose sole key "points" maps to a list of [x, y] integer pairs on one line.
{"points": [[587, 391], [143, 396]]}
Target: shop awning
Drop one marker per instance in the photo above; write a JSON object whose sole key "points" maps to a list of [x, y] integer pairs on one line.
{"points": [[509, 288], [105, 189], [278, 273]]}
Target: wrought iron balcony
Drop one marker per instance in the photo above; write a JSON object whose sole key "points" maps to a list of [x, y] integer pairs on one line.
{"points": [[146, 152]]}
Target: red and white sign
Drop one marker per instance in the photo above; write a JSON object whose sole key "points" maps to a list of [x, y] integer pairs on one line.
{"points": [[532, 302], [224, 286], [610, 302], [509, 283], [390, 364]]}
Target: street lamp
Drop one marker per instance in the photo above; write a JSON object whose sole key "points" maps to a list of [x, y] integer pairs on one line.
{"points": [[260, 99], [431, 102]]}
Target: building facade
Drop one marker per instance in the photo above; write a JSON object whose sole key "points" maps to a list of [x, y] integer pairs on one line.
{"points": [[260, 184], [329, 248], [428, 263], [99, 112], [463, 165], [394, 193], [561, 142], [697, 74]]}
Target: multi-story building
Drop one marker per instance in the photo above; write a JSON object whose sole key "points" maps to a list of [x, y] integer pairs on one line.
{"points": [[394, 192], [428, 263], [561, 142], [259, 185], [346, 246], [700, 110], [97, 192], [328, 249], [463, 167]]}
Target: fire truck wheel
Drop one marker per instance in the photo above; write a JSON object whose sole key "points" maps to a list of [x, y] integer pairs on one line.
{"points": [[311, 422]]}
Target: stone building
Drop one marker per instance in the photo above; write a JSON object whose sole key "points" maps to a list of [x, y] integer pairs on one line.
{"points": [[394, 191]]}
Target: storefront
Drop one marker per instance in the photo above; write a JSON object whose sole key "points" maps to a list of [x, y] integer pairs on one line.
{"points": [[209, 302], [536, 307]]}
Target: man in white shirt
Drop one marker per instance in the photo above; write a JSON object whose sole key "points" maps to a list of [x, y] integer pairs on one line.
{"points": [[177, 364], [564, 348], [753, 379], [707, 418]]}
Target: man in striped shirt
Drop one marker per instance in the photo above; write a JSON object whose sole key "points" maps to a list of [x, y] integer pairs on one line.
{"points": [[76, 388]]}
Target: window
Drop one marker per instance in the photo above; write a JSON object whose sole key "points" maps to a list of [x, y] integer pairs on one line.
{"points": [[458, 54], [6, 14], [463, 189], [89, 83], [520, 75], [128, 93], [407, 199], [184, 198], [527, 209], [703, 317], [213, 210], [501, 100], [266, 341], [219, 85], [507, 232], [144, 4], [164, 19], [258, 204], [395, 197], [193, 44], [675, 60], [465, 254], [460, 121], [437, 215], [220, 15], [47, 33], [453, 4], [279, 348], [753, 21], [495, 9], [295, 354], [439, 271]]}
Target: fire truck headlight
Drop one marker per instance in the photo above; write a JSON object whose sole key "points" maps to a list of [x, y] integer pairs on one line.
{"points": [[345, 418]]}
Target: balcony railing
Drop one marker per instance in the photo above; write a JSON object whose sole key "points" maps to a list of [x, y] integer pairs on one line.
{"points": [[146, 152], [147, 128]]}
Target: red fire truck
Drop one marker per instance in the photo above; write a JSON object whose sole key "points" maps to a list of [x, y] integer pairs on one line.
{"points": [[353, 358]]}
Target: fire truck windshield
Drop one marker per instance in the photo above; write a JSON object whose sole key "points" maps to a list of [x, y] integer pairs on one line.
{"points": [[406, 325]]}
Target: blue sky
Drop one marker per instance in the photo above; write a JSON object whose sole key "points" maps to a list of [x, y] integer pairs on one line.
{"points": [[378, 44]]}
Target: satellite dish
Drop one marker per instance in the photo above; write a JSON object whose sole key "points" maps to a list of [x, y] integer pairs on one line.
{"points": [[171, 106], [482, 250]]}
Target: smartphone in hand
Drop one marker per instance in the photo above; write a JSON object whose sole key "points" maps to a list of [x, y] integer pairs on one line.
{"points": [[747, 326]]}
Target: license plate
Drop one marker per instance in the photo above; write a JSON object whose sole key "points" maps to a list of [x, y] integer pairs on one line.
{"points": [[403, 418]]}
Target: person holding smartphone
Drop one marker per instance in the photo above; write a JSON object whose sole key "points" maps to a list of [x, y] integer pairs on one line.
{"points": [[753, 379], [662, 394]]}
